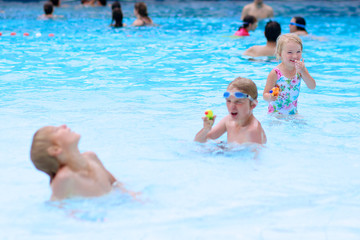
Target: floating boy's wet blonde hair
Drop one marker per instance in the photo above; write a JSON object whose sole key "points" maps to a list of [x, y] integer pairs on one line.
{"points": [[285, 38], [245, 85], [39, 153]]}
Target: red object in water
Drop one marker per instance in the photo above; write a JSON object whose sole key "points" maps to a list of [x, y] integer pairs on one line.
{"points": [[51, 35], [13, 34], [26, 34], [0, 33]]}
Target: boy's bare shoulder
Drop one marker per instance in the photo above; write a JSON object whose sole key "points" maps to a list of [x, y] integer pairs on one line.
{"points": [[63, 173], [256, 132], [254, 127], [254, 124], [63, 181], [92, 157]]}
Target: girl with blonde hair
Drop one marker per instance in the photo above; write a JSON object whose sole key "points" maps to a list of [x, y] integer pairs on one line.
{"points": [[287, 76]]}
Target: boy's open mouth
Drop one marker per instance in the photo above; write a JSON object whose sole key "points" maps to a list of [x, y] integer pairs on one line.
{"points": [[234, 114]]}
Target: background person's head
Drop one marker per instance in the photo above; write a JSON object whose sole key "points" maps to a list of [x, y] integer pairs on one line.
{"points": [[48, 8], [297, 24], [115, 4], [141, 9], [56, 3], [102, 2], [272, 31], [249, 22], [117, 16], [39, 153]]}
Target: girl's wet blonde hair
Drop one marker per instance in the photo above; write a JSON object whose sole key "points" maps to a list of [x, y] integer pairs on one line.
{"points": [[39, 153], [245, 85], [285, 38]]}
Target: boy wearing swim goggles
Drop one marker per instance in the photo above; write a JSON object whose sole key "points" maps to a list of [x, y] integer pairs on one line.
{"points": [[240, 124]]}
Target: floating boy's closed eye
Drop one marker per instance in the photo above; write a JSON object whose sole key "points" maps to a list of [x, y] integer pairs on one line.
{"points": [[238, 95]]}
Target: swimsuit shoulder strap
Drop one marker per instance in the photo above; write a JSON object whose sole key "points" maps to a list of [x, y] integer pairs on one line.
{"points": [[278, 72]]}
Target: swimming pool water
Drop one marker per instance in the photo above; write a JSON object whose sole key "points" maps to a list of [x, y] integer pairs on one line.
{"points": [[137, 95]]}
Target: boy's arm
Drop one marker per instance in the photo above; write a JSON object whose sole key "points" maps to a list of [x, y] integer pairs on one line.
{"points": [[218, 130], [201, 136], [270, 83], [121, 187], [208, 132]]}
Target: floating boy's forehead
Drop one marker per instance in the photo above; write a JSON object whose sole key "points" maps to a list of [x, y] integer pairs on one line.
{"points": [[45, 132]]}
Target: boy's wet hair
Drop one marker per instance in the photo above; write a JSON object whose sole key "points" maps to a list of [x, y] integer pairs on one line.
{"points": [[39, 153], [272, 31], [115, 4], [102, 2], [248, 19], [245, 85], [285, 38], [56, 3], [141, 9], [48, 8]]}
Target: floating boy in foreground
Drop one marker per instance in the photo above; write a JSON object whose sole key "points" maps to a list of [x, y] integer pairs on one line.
{"points": [[55, 151]]}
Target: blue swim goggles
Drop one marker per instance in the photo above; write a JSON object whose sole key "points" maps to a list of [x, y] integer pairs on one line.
{"points": [[297, 24], [238, 95]]}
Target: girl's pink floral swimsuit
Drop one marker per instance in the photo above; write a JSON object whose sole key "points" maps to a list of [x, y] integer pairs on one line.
{"points": [[286, 103]]}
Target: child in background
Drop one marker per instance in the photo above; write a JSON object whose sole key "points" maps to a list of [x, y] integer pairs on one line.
{"points": [[249, 24], [117, 17], [287, 76], [141, 14], [272, 32], [48, 11], [241, 125], [54, 150]]}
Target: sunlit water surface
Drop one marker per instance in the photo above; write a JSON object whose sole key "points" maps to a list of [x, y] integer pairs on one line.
{"points": [[137, 95]]}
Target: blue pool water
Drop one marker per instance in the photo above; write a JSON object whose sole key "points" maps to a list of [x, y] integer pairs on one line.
{"points": [[137, 95]]}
